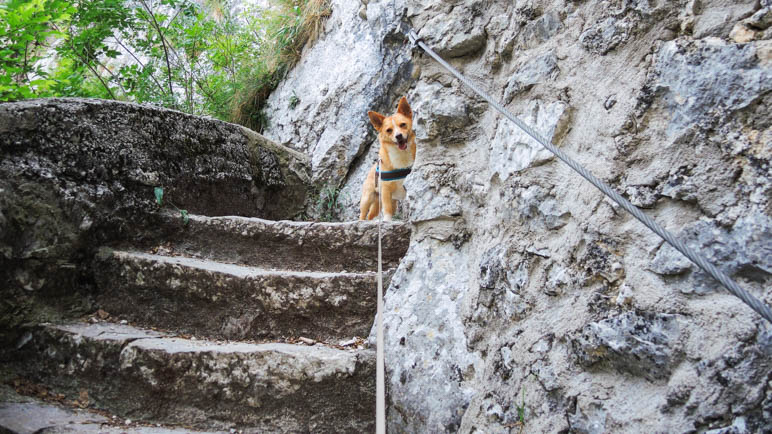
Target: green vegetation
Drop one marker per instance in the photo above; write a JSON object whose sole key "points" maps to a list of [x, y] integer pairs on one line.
{"points": [[159, 196], [521, 410], [192, 55], [327, 203]]}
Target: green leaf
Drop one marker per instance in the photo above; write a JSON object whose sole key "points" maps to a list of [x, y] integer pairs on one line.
{"points": [[184, 214], [159, 194]]}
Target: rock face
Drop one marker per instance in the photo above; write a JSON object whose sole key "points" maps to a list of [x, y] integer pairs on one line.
{"points": [[523, 286], [361, 69], [76, 174]]}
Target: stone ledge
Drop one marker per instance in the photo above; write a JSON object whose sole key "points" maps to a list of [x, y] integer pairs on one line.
{"points": [[219, 300], [286, 245], [271, 387]]}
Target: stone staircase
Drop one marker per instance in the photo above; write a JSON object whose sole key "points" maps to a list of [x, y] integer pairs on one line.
{"points": [[226, 323]]}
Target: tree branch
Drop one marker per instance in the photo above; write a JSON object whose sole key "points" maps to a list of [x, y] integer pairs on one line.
{"points": [[117, 80], [166, 51], [26, 73], [161, 88], [88, 65]]}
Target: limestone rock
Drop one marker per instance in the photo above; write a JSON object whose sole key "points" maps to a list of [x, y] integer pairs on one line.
{"points": [[457, 34], [744, 251], [440, 115], [688, 74], [534, 204], [742, 34], [432, 193], [78, 173], [641, 345], [717, 17], [539, 31], [521, 275], [534, 72], [513, 150], [606, 35], [590, 420], [427, 333], [361, 67], [761, 20]]}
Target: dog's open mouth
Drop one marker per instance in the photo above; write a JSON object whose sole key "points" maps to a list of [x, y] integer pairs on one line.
{"points": [[402, 144]]}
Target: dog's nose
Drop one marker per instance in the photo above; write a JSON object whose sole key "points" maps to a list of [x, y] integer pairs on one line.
{"points": [[400, 137]]}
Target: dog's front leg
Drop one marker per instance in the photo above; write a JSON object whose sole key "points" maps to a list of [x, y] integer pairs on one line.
{"points": [[387, 203]]}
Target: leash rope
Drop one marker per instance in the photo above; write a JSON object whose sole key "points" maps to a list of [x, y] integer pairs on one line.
{"points": [[380, 383], [757, 305]]}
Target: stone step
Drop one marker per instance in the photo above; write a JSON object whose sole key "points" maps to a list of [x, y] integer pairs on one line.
{"points": [[33, 417], [149, 376], [283, 245], [219, 300]]}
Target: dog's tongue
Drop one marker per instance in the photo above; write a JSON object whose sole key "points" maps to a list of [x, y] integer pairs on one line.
{"points": [[402, 146]]}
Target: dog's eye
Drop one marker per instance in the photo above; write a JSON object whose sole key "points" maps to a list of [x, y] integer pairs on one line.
{"points": [[403, 125], [389, 131]]}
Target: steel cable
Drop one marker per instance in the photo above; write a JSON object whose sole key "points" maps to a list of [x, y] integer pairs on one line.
{"points": [[701, 262]]}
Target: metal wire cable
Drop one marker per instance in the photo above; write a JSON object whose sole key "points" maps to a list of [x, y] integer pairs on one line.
{"points": [[701, 262], [380, 377]]}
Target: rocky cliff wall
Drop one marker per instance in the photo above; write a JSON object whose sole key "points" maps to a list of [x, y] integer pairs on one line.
{"points": [[78, 174], [523, 286]]}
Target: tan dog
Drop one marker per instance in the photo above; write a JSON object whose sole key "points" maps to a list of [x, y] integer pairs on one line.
{"points": [[397, 139]]}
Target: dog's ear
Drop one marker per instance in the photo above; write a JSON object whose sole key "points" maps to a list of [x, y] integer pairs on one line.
{"points": [[404, 108], [376, 119]]}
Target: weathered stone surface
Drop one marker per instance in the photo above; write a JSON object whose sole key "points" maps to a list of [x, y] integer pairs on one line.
{"points": [[284, 245], [429, 329], [606, 35], [676, 121], [744, 250], [39, 417], [515, 150], [761, 20], [27, 418], [534, 72], [92, 143], [457, 34], [77, 173], [717, 17], [535, 204], [260, 387], [232, 301], [641, 345], [703, 79], [440, 115], [539, 31], [434, 188]]}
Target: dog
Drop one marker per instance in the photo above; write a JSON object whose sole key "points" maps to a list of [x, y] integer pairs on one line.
{"points": [[397, 154]]}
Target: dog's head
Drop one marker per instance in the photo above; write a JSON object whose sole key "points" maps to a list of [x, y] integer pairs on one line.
{"points": [[397, 129]]}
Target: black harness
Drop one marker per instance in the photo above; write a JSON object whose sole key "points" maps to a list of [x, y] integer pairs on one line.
{"points": [[393, 175]]}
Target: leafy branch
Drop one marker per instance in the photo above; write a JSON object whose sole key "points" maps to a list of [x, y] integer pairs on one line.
{"points": [[163, 43], [192, 55]]}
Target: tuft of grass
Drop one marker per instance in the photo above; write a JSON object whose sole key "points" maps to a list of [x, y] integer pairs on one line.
{"points": [[294, 100], [521, 410], [288, 26], [327, 203]]}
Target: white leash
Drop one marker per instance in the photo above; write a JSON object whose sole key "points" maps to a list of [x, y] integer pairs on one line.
{"points": [[380, 384]]}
